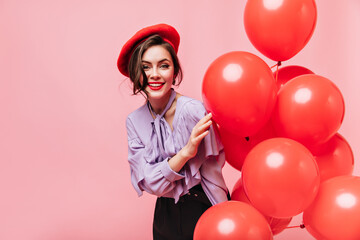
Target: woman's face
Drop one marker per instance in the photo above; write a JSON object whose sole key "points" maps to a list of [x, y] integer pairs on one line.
{"points": [[159, 69]]}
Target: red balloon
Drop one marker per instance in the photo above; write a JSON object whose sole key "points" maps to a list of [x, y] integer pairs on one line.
{"points": [[280, 177], [309, 109], [287, 73], [238, 192], [240, 91], [232, 220], [335, 212], [235, 147], [334, 158], [264, 133], [277, 225], [280, 29]]}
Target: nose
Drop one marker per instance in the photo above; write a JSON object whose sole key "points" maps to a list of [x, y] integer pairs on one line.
{"points": [[155, 73]]}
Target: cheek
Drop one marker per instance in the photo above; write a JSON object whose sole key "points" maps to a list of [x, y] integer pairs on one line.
{"points": [[169, 75]]}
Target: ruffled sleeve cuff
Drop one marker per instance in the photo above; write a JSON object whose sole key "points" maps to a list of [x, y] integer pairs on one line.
{"points": [[168, 173], [212, 143]]}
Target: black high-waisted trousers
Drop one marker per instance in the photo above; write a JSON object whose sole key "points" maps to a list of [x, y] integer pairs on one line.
{"points": [[177, 221]]}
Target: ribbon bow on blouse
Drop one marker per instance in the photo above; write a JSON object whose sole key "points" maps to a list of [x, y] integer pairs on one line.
{"points": [[162, 130]]}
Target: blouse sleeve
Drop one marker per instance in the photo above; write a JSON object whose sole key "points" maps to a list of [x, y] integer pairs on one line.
{"points": [[212, 143], [211, 168], [210, 148], [154, 177]]}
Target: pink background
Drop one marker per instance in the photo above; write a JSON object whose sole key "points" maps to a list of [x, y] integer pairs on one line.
{"points": [[63, 149]]}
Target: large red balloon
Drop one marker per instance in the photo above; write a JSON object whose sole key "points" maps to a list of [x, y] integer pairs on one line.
{"points": [[235, 147], [284, 74], [279, 29], [264, 133], [232, 220], [240, 91], [277, 225], [334, 158], [309, 109], [280, 177], [335, 212]]}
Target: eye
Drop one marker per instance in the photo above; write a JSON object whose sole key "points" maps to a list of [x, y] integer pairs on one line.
{"points": [[145, 67], [165, 66]]}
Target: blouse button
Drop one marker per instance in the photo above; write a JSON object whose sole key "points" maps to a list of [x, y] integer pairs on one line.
{"points": [[195, 195]]}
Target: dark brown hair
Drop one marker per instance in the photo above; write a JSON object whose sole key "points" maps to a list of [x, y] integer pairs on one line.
{"points": [[135, 68]]}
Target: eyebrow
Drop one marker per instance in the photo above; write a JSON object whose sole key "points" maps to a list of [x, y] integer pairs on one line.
{"points": [[163, 60]]}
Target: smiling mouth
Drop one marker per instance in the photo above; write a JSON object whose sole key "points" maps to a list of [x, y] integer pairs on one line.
{"points": [[155, 85]]}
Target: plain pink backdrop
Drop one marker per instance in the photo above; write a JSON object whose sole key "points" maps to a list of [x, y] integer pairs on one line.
{"points": [[63, 151]]}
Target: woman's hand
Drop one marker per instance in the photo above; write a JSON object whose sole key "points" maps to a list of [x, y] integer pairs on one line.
{"points": [[200, 130]]}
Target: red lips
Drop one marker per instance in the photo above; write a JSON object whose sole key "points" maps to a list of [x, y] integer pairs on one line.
{"points": [[155, 85]]}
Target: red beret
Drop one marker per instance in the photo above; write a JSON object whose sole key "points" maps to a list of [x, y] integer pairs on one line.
{"points": [[167, 32]]}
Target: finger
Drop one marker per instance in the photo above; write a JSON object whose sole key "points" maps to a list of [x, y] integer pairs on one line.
{"points": [[203, 127], [206, 118], [200, 128], [199, 138]]}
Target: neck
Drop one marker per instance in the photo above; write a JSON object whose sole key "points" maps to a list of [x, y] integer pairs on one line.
{"points": [[158, 105]]}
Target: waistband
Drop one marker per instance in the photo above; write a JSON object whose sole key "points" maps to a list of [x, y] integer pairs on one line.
{"points": [[195, 193]]}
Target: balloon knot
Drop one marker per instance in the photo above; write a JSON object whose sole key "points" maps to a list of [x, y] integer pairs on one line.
{"points": [[279, 63], [302, 226], [247, 138]]}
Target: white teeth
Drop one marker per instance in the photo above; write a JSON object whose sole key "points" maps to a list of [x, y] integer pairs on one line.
{"points": [[155, 84]]}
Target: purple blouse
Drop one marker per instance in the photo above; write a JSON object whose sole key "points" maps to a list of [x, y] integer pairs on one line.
{"points": [[152, 143]]}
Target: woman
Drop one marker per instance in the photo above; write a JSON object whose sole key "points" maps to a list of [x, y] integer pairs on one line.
{"points": [[173, 150]]}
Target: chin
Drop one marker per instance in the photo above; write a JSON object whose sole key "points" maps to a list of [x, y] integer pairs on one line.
{"points": [[158, 94]]}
